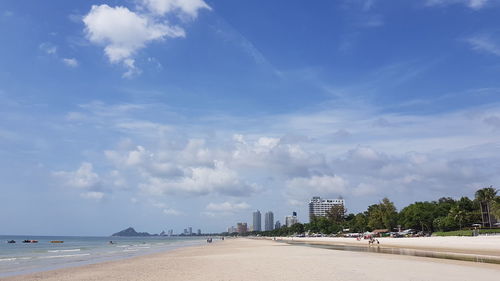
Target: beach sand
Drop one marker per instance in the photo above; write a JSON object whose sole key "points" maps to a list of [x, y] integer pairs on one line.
{"points": [[247, 259], [479, 245]]}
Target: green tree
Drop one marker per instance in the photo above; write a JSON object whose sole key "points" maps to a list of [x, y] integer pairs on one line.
{"points": [[459, 215], [444, 205], [419, 215], [445, 223], [296, 228], [495, 208], [359, 223], [382, 215], [336, 214], [486, 196]]}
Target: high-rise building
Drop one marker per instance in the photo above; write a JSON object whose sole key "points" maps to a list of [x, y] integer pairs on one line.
{"points": [[277, 225], [199, 232], [232, 229], [291, 220], [318, 207], [241, 227], [257, 223], [269, 221], [190, 230]]}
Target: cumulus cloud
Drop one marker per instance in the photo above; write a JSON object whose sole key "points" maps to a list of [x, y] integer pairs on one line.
{"points": [[201, 181], [123, 32], [417, 156], [84, 177]]}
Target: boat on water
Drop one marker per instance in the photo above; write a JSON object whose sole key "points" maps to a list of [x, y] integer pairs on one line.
{"points": [[56, 241], [11, 241], [30, 241]]}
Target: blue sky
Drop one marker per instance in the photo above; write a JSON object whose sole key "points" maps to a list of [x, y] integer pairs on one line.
{"points": [[163, 114]]}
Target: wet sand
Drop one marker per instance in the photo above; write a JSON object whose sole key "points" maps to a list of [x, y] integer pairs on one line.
{"points": [[247, 259]]}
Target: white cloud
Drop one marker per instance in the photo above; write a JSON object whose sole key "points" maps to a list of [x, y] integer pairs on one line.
{"points": [[171, 212], [84, 177], [426, 156], [123, 32], [71, 62], [187, 7], [201, 181], [95, 195], [484, 43], [227, 207], [324, 184], [473, 4]]}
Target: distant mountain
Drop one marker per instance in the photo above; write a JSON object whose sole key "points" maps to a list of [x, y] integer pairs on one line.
{"points": [[130, 232]]}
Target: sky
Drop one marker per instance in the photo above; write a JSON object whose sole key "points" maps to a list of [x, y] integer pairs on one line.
{"points": [[164, 114]]}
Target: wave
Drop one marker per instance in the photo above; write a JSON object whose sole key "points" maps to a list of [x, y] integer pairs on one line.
{"points": [[64, 256], [60, 251], [8, 259]]}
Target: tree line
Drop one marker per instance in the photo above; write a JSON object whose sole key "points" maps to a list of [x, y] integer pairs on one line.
{"points": [[445, 214]]}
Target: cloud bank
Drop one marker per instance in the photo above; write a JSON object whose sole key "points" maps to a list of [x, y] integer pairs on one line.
{"points": [[296, 156]]}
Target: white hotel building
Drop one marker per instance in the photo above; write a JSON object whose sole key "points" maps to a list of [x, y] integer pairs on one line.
{"points": [[318, 207]]}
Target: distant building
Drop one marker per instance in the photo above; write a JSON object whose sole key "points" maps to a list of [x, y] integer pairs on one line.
{"points": [[190, 230], [318, 207], [185, 231], [269, 221], [277, 225], [199, 232], [241, 227], [257, 222], [232, 229], [170, 232], [291, 220]]}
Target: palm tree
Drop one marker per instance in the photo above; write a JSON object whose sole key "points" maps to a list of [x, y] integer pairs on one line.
{"points": [[458, 215], [485, 196]]}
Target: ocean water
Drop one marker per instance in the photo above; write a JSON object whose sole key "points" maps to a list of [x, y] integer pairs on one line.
{"points": [[21, 258]]}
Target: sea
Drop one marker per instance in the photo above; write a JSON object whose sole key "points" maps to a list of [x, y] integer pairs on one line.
{"points": [[22, 258]]}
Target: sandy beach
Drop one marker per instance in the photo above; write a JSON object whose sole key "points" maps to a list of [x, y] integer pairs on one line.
{"points": [[481, 245], [247, 259]]}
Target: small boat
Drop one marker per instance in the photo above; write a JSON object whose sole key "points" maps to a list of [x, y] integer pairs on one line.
{"points": [[56, 241], [11, 241], [30, 241]]}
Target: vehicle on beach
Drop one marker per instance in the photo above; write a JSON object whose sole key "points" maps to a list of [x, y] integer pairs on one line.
{"points": [[56, 241], [30, 241]]}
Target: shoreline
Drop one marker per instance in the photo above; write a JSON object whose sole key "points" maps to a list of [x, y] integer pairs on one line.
{"points": [[488, 246], [70, 255], [262, 259]]}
